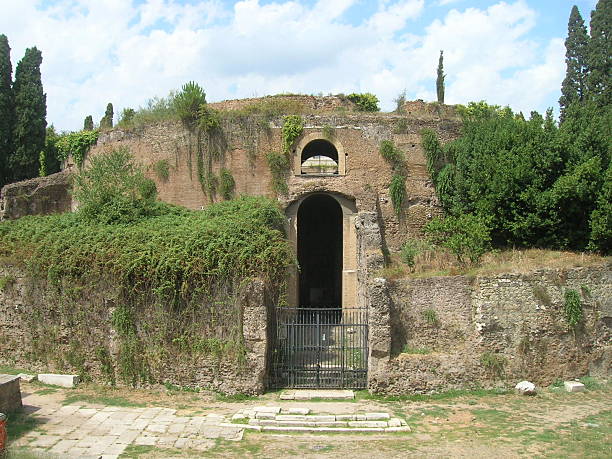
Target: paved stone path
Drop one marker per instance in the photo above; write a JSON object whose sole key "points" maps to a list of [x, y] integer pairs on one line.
{"points": [[77, 431]]}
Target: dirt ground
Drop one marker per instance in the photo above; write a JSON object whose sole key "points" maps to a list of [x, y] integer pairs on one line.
{"points": [[475, 424]]}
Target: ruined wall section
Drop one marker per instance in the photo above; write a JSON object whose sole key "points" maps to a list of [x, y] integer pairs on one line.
{"points": [[38, 196], [459, 323], [248, 139], [42, 334]]}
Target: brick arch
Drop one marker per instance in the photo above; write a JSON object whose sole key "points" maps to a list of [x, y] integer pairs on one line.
{"points": [[318, 135]]}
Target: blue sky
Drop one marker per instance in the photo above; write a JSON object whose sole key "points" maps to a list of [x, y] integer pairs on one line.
{"points": [[507, 52]]}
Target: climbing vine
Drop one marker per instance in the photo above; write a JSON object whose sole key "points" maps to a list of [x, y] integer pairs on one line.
{"points": [[572, 308], [279, 165], [293, 126], [226, 184], [397, 188], [76, 144]]}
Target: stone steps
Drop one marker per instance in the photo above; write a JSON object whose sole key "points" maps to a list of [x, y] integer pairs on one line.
{"points": [[300, 420]]}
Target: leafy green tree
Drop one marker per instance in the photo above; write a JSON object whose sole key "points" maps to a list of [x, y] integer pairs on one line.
{"points": [[188, 101], [440, 79], [107, 120], [31, 111], [7, 109], [88, 124], [127, 115], [574, 86], [50, 153], [600, 54], [365, 102]]}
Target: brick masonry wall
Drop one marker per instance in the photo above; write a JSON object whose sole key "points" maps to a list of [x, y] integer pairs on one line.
{"points": [[43, 338], [518, 317]]}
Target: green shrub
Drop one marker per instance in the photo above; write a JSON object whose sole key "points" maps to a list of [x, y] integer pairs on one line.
{"points": [[430, 316], [391, 153], [226, 184], [467, 236], [572, 308], [409, 251], [397, 191], [366, 102], [293, 126], [114, 190], [494, 363], [162, 169], [415, 350]]}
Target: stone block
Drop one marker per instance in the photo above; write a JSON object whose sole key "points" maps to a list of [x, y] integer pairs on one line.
{"points": [[574, 386], [303, 411], [525, 388], [260, 415], [69, 381], [290, 417], [10, 393], [26, 377], [382, 424], [325, 418], [398, 429], [267, 409], [394, 422], [377, 416], [238, 417], [287, 397], [347, 417]]}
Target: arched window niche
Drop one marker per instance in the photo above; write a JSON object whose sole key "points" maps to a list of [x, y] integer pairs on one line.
{"points": [[316, 156]]}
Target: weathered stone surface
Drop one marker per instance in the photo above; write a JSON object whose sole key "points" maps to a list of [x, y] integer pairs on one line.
{"points": [[574, 386], [368, 424], [264, 415], [290, 417], [525, 388], [394, 422], [302, 411], [377, 416], [10, 393], [69, 381], [267, 409]]}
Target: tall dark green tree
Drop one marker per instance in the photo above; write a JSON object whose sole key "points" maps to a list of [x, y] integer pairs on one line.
{"points": [[107, 120], [31, 111], [574, 86], [600, 53], [7, 108], [440, 79], [88, 123]]}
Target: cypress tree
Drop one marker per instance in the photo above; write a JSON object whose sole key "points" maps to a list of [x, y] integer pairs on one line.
{"points": [[600, 53], [574, 86], [88, 123], [107, 120], [440, 79], [31, 111], [7, 109]]}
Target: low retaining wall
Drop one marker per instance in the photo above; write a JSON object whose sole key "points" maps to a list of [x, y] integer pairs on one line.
{"points": [[10, 394], [458, 332]]}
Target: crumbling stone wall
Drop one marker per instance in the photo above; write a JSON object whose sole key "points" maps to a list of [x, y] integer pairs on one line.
{"points": [[39, 335], [38, 196], [517, 318]]}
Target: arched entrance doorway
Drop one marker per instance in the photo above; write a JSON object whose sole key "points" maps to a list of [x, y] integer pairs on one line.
{"points": [[321, 338], [319, 250]]}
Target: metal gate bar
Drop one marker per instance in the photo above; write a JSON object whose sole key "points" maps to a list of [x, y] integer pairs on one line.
{"points": [[320, 348]]}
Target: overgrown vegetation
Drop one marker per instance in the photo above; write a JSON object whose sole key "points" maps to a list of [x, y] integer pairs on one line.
{"points": [[572, 308], [226, 184], [397, 188], [279, 165], [494, 363], [468, 236], [76, 144], [162, 169], [171, 275], [366, 102], [293, 126]]}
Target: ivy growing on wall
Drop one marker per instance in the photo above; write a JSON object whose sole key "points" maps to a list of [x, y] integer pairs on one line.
{"points": [[279, 165], [76, 144], [293, 126], [397, 188]]}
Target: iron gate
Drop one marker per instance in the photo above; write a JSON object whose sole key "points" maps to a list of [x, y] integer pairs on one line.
{"points": [[320, 348]]}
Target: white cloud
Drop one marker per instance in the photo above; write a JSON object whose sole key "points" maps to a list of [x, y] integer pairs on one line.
{"points": [[447, 2], [95, 52]]}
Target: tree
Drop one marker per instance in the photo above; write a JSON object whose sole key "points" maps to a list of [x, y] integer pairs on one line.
{"points": [[31, 111], [88, 123], [574, 86], [51, 160], [600, 53], [107, 120], [7, 108], [440, 79]]}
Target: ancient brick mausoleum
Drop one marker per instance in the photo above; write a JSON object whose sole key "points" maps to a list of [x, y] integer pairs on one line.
{"points": [[345, 325]]}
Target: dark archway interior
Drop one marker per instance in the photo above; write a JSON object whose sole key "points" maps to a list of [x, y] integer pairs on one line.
{"points": [[320, 252], [320, 148]]}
